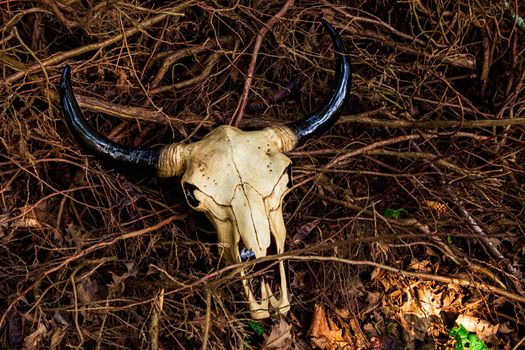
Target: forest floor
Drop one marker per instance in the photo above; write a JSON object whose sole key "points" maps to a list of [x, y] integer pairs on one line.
{"points": [[405, 222]]}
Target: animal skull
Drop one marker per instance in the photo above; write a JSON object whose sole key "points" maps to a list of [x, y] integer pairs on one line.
{"points": [[237, 178]]}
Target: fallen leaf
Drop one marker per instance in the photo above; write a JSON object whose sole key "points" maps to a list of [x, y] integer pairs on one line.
{"points": [[16, 333], [118, 284], [370, 329], [33, 216], [326, 335], [3, 224], [439, 207], [484, 330], [418, 265], [123, 83], [26, 222], [56, 338], [280, 337], [86, 293], [353, 335], [319, 327], [429, 301], [418, 313], [60, 320], [303, 232], [33, 340]]}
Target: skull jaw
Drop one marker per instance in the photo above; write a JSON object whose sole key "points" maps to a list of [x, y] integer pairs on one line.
{"points": [[264, 305], [268, 304]]}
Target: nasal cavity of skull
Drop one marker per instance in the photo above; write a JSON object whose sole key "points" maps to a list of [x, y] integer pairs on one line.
{"points": [[268, 270], [245, 253]]}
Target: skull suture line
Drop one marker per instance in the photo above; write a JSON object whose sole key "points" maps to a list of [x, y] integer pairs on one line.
{"points": [[238, 178]]}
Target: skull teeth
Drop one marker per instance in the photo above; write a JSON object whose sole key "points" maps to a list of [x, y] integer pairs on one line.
{"points": [[268, 301]]}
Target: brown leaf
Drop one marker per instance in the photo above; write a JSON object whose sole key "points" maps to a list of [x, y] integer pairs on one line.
{"points": [[353, 334], [483, 329], [33, 340], [56, 338], [123, 83], [420, 311], [303, 232], [280, 337], [34, 215], [16, 333], [326, 335], [319, 325], [118, 281], [87, 291]]}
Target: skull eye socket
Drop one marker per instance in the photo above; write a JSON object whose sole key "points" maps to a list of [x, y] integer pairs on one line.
{"points": [[289, 172], [189, 192]]}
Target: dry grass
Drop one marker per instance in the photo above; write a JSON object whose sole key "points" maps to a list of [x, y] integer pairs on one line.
{"points": [[90, 258]]}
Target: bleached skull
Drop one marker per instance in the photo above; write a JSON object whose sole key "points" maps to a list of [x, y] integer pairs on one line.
{"points": [[237, 178]]}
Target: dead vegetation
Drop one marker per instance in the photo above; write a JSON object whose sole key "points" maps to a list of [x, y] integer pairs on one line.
{"points": [[406, 217]]}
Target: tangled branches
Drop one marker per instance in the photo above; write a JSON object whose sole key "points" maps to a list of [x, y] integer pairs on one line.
{"points": [[434, 132]]}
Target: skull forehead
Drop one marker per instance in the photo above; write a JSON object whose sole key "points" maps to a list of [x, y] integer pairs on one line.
{"points": [[227, 158]]}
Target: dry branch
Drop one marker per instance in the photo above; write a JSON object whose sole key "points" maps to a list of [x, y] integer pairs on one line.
{"points": [[243, 101], [431, 124], [59, 58]]}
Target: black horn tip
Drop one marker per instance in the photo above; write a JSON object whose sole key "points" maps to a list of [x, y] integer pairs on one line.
{"points": [[329, 28], [142, 160], [327, 115], [66, 76]]}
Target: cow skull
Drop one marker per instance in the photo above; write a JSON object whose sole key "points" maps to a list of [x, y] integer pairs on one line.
{"points": [[237, 178]]}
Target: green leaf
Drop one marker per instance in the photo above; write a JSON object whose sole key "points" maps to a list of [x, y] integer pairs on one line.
{"points": [[475, 343], [462, 338], [394, 213], [257, 327], [460, 335]]}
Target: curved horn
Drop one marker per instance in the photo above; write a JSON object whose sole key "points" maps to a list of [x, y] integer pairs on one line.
{"points": [[143, 159], [322, 119]]}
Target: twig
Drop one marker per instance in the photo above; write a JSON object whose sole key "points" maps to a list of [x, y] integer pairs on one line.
{"points": [[421, 275], [429, 157], [158, 304], [462, 60], [180, 85], [75, 314], [370, 147], [127, 112], [92, 47], [292, 255], [85, 252], [494, 251], [517, 346], [378, 22], [208, 321], [395, 222], [431, 124], [69, 24], [243, 101], [177, 55]]}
